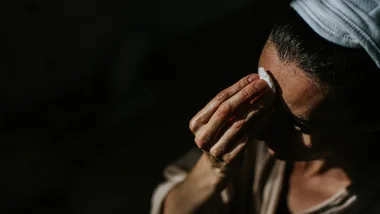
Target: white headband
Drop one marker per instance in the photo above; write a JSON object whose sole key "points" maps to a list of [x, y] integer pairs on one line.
{"points": [[349, 23]]}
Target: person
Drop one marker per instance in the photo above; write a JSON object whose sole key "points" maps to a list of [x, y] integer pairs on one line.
{"points": [[308, 147]]}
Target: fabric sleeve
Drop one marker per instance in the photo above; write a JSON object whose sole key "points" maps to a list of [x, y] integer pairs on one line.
{"points": [[173, 174]]}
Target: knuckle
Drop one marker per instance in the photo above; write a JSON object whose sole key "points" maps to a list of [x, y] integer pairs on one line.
{"points": [[201, 142], [221, 96], [224, 110], [193, 124], [247, 92], [227, 157], [241, 84], [216, 151], [239, 124]]}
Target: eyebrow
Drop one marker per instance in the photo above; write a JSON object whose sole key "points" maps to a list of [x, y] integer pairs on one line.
{"points": [[298, 119]]}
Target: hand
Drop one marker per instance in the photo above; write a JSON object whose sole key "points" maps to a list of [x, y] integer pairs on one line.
{"points": [[224, 126]]}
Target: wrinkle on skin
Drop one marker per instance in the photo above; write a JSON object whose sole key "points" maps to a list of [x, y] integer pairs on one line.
{"points": [[315, 176], [299, 92], [298, 95]]}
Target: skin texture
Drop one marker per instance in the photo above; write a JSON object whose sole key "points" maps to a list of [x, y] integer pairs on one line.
{"points": [[298, 95], [222, 130], [247, 110], [313, 181], [301, 96]]}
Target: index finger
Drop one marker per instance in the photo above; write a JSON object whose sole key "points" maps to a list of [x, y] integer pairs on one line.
{"points": [[229, 108], [204, 115]]}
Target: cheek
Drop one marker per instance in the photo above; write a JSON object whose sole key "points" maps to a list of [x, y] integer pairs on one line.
{"points": [[288, 143]]}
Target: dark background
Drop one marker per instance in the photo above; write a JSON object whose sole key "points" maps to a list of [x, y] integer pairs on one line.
{"points": [[96, 95]]}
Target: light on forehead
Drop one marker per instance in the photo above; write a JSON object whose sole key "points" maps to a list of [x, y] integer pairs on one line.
{"points": [[265, 76]]}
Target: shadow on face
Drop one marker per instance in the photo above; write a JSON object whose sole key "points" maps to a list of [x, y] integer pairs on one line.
{"points": [[304, 124]]}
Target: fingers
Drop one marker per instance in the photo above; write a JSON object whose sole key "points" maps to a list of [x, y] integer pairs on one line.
{"points": [[233, 154], [227, 109], [236, 150], [229, 136], [203, 116], [249, 125]]}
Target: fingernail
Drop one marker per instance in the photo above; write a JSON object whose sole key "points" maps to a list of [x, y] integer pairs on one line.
{"points": [[260, 85], [252, 78]]}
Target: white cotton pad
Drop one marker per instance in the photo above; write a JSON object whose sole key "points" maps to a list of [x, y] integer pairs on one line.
{"points": [[265, 76]]}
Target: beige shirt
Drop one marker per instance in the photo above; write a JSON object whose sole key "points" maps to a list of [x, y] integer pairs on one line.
{"points": [[258, 188]]}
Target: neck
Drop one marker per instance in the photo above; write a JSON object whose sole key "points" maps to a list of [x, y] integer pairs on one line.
{"points": [[347, 165], [325, 167]]}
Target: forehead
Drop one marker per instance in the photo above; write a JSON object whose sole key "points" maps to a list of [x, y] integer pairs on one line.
{"points": [[299, 93]]}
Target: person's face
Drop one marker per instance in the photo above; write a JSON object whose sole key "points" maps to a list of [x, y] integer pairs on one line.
{"points": [[305, 126]]}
